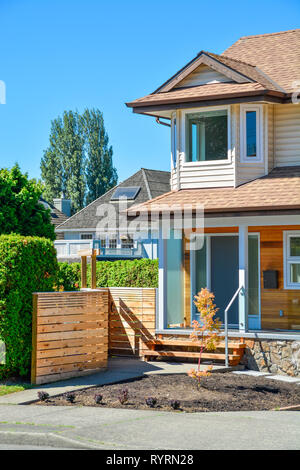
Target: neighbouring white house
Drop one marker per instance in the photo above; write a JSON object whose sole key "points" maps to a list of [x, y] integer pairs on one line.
{"points": [[82, 229]]}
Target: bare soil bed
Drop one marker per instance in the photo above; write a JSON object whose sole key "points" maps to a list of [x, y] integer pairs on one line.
{"points": [[219, 392]]}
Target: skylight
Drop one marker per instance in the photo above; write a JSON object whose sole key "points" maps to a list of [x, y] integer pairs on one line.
{"points": [[126, 192]]}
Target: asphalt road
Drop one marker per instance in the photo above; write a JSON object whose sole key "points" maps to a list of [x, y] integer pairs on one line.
{"points": [[119, 429]]}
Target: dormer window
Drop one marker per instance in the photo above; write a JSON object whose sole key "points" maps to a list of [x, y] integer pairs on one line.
{"points": [[207, 135], [250, 133]]}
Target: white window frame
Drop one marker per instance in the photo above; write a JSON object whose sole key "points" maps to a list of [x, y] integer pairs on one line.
{"points": [[288, 259], [259, 134], [185, 139], [86, 233]]}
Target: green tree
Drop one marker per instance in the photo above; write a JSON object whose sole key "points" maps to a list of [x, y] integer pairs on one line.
{"points": [[63, 163], [100, 172], [20, 209], [78, 160]]}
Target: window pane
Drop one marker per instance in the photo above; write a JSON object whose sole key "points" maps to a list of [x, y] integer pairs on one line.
{"points": [[86, 236], [175, 311], [112, 244], [127, 243], [126, 193], [207, 136], [294, 246], [251, 133], [295, 273], [253, 276]]}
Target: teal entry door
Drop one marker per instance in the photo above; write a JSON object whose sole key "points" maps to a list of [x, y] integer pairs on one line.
{"points": [[224, 271]]}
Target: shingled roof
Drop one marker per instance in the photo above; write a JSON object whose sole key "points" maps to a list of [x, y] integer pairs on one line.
{"points": [[266, 65], [57, 217], [152, 183], [279, 190]]}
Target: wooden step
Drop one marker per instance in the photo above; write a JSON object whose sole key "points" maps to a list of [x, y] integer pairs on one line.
{"points": [[190, 343], [232, 357]]}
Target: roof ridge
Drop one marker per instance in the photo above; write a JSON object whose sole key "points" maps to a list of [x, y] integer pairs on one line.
{"points": [[146, 182], [150, 169], [269, 34]]}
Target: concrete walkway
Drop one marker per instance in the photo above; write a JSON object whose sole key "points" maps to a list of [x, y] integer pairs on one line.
{"points": [[119, 429], [119, 368]]}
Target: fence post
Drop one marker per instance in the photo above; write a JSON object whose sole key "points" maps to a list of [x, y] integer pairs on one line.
{"points": [[83, 272], [34, 339], [93, 269]]}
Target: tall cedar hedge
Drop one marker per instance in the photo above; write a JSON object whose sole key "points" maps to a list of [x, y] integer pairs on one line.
{"points": [[27, 265], [121, 273]]}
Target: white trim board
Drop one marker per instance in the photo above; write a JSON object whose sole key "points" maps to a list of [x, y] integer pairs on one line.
{"points": [[260, 220]]}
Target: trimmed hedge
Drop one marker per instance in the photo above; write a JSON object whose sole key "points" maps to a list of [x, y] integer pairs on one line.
{"points": [[27, 265], [121, 273]]}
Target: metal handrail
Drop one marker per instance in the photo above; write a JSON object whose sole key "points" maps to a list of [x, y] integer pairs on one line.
{"points": [[226, 323]]}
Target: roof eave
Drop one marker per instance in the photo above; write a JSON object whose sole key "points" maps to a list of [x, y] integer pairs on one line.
{"points": [[271, 94], [221, 210]]}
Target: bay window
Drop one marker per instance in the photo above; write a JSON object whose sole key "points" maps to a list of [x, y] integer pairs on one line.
{"points": [[207, 135]]}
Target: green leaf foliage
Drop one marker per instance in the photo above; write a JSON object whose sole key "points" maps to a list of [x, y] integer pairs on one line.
{"points": [[121, 273], [78, 161], [20, 209], [27, 265]]}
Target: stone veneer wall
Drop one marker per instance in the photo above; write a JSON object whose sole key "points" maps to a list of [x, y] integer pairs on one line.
{"points": [[274, 356]]}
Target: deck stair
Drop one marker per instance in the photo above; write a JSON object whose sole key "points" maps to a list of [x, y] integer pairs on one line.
{"points": [[180, 348]]}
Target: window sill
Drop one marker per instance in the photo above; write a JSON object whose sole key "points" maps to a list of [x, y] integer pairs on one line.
{"points": [[227, 161]]}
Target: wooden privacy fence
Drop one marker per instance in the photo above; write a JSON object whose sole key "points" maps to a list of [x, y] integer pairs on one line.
{"points": [[70, 334], [131, 320]]}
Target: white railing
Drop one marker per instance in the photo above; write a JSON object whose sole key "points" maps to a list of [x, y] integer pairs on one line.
{"points": [[226, 323], [70, 248]]}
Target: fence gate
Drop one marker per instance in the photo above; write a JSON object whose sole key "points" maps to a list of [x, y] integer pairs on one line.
{"points": [[70, 334]]}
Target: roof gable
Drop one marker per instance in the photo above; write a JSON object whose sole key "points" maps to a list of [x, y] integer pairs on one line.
{"points": [[203, 75], [265, 66], [211, 61]]}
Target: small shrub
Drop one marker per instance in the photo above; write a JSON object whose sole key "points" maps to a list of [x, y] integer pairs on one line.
{"points": [[70, 397], [98, 399], [175, 404], [123, 396], [151, 402], [43, 396], [206, 331]]}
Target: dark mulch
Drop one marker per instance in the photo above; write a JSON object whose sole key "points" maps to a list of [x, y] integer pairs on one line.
{"points": [[219, 392]]}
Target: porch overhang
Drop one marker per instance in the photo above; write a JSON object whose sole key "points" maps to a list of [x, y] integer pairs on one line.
{"points": [[278, 191]]}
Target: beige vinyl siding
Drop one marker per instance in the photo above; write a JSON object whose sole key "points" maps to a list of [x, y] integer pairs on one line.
{"points": [[206, 176], [287, 134], [201, 76], [173, 180]]}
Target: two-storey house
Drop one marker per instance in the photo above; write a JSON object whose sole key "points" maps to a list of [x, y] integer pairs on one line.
{"points": [[235, 133]]}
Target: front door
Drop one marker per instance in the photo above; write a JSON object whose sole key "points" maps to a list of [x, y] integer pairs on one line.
{"points": [[225, 275]]}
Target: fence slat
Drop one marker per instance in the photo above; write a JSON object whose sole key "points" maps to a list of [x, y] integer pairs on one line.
{"points": [[69, 334]]}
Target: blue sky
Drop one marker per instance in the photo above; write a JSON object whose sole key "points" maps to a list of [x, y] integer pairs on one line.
{"points": [[58, 55]]}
